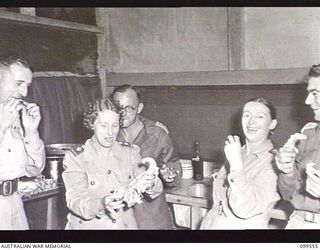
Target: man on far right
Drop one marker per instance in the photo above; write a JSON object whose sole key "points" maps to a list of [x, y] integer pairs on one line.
{"points": [[299, 164]]}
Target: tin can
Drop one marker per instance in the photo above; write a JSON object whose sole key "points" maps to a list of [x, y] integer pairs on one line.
{"points": [[54, 169]]}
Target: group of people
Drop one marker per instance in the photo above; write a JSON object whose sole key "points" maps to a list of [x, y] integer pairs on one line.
{"points": [[99, 179], [117, 180]]}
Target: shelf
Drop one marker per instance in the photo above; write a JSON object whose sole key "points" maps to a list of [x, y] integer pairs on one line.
{"points": [[48, 22], [236, 77]]}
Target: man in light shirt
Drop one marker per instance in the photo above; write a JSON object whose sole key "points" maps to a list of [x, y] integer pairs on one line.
{"points": [[299, 163], [21, 149]]}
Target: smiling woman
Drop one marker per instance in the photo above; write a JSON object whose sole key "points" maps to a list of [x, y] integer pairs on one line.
{"points": [[258, 119], [104, 119], [103, 181], [245, 188]]}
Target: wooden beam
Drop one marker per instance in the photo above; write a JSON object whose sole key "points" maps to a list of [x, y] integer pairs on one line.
{"points": [[48, 22], [239, 77], [235, 39], [59, 73]]}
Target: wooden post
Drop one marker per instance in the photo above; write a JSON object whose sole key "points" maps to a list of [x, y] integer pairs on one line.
{"points": [[103, 47], [235, 38], [195, 217]]}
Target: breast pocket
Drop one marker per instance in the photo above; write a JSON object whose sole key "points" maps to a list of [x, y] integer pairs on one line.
{"points": [[124, 177], [96, 185]]}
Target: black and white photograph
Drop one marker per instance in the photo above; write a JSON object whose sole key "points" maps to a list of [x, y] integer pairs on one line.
{"points": [[192, 120]]}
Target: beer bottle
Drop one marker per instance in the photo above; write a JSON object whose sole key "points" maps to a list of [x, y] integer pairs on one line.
{"points": [[197, 163]]}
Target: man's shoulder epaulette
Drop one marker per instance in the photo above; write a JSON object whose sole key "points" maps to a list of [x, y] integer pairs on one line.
{"points": [[164, 127], [76, 150], [130, 146], [309, 125], [125, 144]]}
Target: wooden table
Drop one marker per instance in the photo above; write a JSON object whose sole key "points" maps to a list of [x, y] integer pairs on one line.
{"points": [[184, 194]]}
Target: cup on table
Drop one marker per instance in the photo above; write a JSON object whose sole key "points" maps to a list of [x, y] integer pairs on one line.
{"points": [[187, 170], [208, 168]]}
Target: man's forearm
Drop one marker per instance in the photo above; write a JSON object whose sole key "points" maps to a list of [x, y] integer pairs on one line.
{"points": [[288, 184]]}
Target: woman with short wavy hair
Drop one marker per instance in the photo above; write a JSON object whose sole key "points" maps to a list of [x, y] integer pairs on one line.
{"points": [[103, 181]]}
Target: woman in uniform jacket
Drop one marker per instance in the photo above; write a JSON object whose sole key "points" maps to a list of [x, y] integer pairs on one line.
{"points": [[103, 180], [245, 188]]}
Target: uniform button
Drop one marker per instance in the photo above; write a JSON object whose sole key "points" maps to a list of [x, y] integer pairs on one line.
{"points": [[224, 185], [114, 221], [112, 191], [109, 171], [231, 180], [9, 150], [129, 176], [80, 221], [92, 183]]}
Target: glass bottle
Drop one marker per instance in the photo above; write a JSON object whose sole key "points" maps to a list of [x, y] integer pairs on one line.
{"points": [[197, 163]]}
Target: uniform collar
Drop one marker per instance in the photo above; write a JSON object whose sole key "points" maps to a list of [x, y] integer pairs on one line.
{"points": [[146, 122], [261, 150], [144, 133], [92, 149]]}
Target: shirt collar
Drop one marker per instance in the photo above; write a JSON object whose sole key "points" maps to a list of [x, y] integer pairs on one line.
{"points": [[142, 136], [261, 150], [92, 149]]}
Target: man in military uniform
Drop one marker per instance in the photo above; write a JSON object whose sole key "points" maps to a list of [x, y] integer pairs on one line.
{"points": [[299, 163], [21, 149], [153, 139]]}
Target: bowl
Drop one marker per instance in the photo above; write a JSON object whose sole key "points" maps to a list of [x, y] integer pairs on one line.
{"points": [[200, 190]]}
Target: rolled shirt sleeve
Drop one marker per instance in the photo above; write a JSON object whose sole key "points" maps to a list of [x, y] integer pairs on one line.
{"points": [[288, 185], [169, 157], [36, 155]]}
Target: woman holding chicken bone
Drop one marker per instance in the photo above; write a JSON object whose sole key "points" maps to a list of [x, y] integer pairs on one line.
{"points": [[106, 178], [299, 163], [245, 188]]}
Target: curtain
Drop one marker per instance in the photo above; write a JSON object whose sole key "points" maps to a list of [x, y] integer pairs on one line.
{"points": [[62, 101]]}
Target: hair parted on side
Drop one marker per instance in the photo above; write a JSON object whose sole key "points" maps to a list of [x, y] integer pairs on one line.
{"points": [[314, 71], [7, 61]]}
